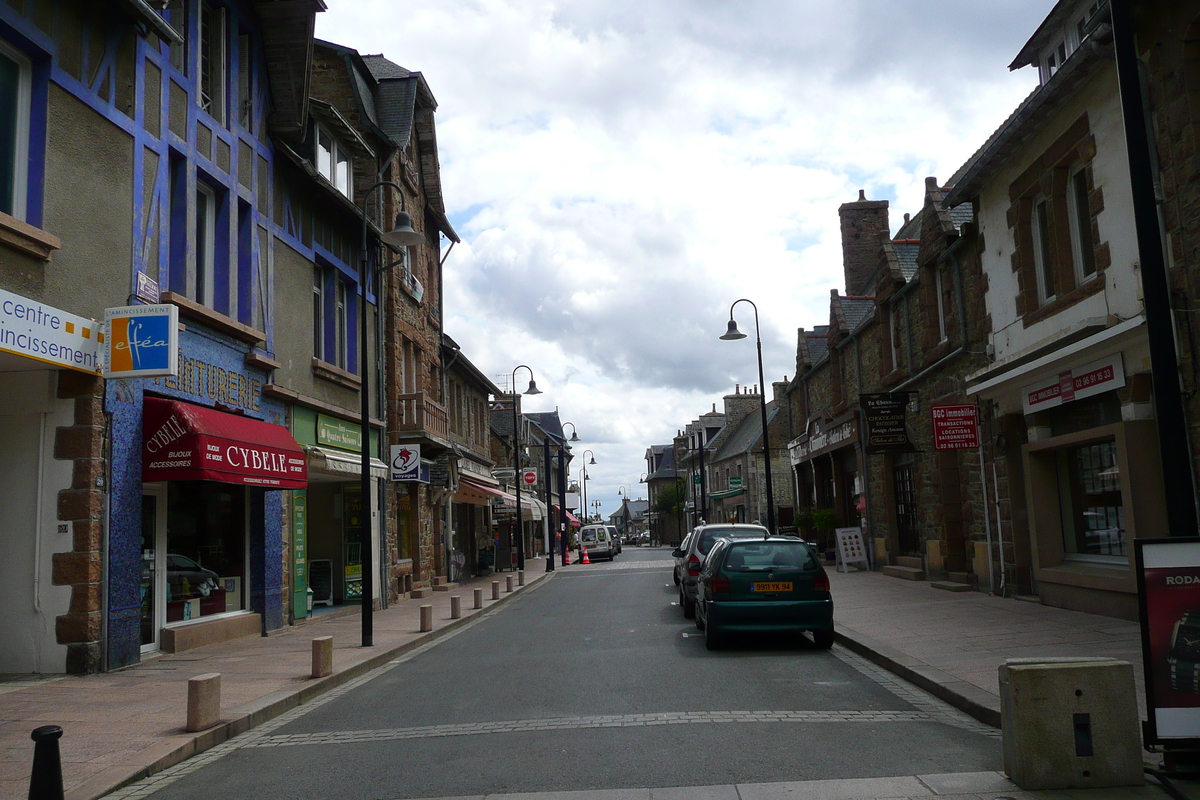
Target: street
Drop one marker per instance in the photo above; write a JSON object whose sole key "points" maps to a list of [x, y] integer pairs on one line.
{"points": [[594, 680]]}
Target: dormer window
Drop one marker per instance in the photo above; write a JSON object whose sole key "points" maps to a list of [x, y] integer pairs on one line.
{"points": [[334, 162], [1067, 42]]}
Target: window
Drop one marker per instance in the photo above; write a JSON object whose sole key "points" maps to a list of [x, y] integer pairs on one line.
{"points": [[1082, 245], [206, 218], [318, 312], [939, 298], [1093, 515], [341, 318], [177, 18], [245, 82], [1042, 253], [334, 162], [212, 61], [14, 130]]}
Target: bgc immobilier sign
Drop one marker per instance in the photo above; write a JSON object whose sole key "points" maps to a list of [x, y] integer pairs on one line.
{"points": [[955, 427]]}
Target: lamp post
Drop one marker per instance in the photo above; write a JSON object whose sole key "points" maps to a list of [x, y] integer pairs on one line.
{"points": [[562, 491], [623, 493], [591, 462], [733, 334], [642, 479], [401, 235], [517, 459]]}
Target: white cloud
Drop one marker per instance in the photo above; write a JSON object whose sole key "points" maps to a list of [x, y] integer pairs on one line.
{"points": [[622, 171]]}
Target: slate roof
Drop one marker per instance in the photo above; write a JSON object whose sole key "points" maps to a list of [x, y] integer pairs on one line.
{"points": [[818, 342], [910, 229], [549, 422], [962, 214], [743, 438], [857, 309], [666, 468], [906, 254]]}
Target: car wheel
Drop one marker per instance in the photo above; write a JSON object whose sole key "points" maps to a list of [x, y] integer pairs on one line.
{"points": [[675, 576], [689, 606], [699, 622], [823, 639], [713, 640]]}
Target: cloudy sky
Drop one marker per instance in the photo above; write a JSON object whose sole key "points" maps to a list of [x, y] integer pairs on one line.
{"points": [[621, 171]]}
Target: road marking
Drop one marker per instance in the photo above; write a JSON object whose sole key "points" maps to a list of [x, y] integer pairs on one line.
{"points": [[585, 722]]}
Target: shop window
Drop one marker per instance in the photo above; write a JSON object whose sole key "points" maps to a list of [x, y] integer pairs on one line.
{"points": [[1082, 415], [14, 130], [206, 549], [1093, 515]]}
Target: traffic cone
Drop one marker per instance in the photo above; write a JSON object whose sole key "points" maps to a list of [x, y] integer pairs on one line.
{"points": [[586, 560]]}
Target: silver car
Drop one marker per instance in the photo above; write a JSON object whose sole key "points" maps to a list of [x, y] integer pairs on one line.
{"points": [[700, 541], [615, 537]]}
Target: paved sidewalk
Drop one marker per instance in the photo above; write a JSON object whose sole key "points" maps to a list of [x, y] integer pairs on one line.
{"points": [[124, 725], [951, 643]]}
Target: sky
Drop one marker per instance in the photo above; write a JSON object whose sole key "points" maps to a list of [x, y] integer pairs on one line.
{"points": [[621, 171]]}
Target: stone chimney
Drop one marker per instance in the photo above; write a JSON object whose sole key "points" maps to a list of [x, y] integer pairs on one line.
{"points": [[779, 392], [862, 222], [739, 404]]}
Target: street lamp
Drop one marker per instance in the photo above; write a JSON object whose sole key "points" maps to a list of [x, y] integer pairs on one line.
{"points": [[596, 505], [517, 460], [591, 462], [624, 493], [562, 491], [400, 236], [733, 334]]}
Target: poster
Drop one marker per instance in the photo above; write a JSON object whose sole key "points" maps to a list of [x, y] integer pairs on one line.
{"points": [[851, 549], [1168, 573]]}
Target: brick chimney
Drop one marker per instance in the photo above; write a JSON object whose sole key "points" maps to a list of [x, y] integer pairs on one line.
{"points": [[862, 222], [739, 404]]}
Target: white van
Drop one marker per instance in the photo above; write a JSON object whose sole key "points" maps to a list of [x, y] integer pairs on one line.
{"points": [[597, 541]]}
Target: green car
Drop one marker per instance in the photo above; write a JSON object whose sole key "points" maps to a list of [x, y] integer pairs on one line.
{"points": [[773, 584]]}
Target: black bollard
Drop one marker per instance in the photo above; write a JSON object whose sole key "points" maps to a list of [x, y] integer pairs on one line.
{"points": [[46, 781]]}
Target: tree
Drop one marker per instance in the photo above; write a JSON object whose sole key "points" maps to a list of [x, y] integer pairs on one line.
{"points": [[669, 501]]}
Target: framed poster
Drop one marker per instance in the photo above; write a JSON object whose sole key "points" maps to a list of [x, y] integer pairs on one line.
{"points": [[1168, 576]]}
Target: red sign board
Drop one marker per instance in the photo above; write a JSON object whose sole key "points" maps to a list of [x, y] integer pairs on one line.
{"points": [[955, 427], [529, 476]]}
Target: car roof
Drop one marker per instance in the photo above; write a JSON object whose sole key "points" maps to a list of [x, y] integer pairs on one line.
{"points": [[738, 525]]}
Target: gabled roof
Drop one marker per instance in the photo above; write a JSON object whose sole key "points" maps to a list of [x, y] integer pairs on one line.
{"points": [[666, 467], [906, 255], [854, 310], [746, 434], [549, 422]]}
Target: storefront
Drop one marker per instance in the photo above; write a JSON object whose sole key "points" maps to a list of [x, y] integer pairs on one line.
{"points": [[471, 521], [327, 517], [504, 527], [1087, 447], [200, 462], [825, 462]]}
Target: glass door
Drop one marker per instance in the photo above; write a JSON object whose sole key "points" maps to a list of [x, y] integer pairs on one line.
{"points": [[154, 540]]}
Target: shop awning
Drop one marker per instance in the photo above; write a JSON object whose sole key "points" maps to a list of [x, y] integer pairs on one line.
{"points": [[571, 518], [184, 442], [479, 494], [537, 506], [344, 462], [723, 495]]}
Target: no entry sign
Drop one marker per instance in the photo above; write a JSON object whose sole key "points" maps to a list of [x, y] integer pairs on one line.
{"points": [[955, 427]]}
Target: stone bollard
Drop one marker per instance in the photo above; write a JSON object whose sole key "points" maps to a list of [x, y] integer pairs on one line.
{"points": [[204, 701], [508, 583], [478, 598], [322, 656], [426, 618], [45, 781], [520, 577], [495, 590], [455, 606]]}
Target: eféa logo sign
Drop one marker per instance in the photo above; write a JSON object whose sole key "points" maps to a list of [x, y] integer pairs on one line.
{"points": [[142, 341], [406, 462]]}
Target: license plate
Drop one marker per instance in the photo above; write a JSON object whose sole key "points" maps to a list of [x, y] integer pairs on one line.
{"points": [[771, 587]]}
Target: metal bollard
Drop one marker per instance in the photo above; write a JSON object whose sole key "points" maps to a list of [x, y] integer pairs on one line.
{"points": [[455, 606], [495, 590], [45, 782], [478, 598], [520, 577], [508, 583]]}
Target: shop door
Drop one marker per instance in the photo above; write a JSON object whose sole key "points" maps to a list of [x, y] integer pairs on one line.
{"points": [[904, 482], [154, 555]]}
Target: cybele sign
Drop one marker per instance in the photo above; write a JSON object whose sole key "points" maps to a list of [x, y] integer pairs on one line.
{"points": [[529, 476]]}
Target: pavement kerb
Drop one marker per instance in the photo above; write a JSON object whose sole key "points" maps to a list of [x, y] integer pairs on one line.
{"points": [[966, 697], [280, 702]]}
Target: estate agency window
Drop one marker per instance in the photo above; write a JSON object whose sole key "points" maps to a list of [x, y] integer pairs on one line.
{"points": [[1093, 517]]}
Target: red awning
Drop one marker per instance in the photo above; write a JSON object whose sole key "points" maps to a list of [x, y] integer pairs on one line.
{"points": [[183, 442], [479, 494], [574, 520]]}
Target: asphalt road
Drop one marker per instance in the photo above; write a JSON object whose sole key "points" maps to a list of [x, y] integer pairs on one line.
{"points": [[594, 680]]}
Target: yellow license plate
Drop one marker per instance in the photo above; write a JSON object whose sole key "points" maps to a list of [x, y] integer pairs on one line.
{"points": [[771, 587]]}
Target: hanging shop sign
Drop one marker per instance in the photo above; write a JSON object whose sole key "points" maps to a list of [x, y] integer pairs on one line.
{"points": [[1168, 575], [141, 342], [334, 432], [34, 330], [1075, 384], [735, 481], [406, 464], [885, 422], [185, 442], [955, 427]]}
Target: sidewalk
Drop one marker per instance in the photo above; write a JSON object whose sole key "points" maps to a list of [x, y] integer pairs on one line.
{"points": [[951, 643], [125, 725]]}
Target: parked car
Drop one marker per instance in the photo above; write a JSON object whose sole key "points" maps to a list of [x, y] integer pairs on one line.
{"points": [[701, 541], [615, 537], [763, 585], [596, 540], [680, 556]]}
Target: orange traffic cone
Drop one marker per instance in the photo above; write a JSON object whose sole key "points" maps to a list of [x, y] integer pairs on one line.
{"points": [[586, 560]]}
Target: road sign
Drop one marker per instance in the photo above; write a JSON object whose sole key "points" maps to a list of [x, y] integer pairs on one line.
{"points": [[529, 476], [955, 427]]}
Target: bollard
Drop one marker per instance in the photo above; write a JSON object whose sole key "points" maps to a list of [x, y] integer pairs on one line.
{"points": [[495, 590], [204, 701], [426, 618], [508, 583], [45, 782], [478, 598], [520, 577], [455, 606], [322, 656]]}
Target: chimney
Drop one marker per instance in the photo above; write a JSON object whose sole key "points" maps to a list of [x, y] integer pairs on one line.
{"points": [[779, 392], [862, 222], [738, 405]]}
